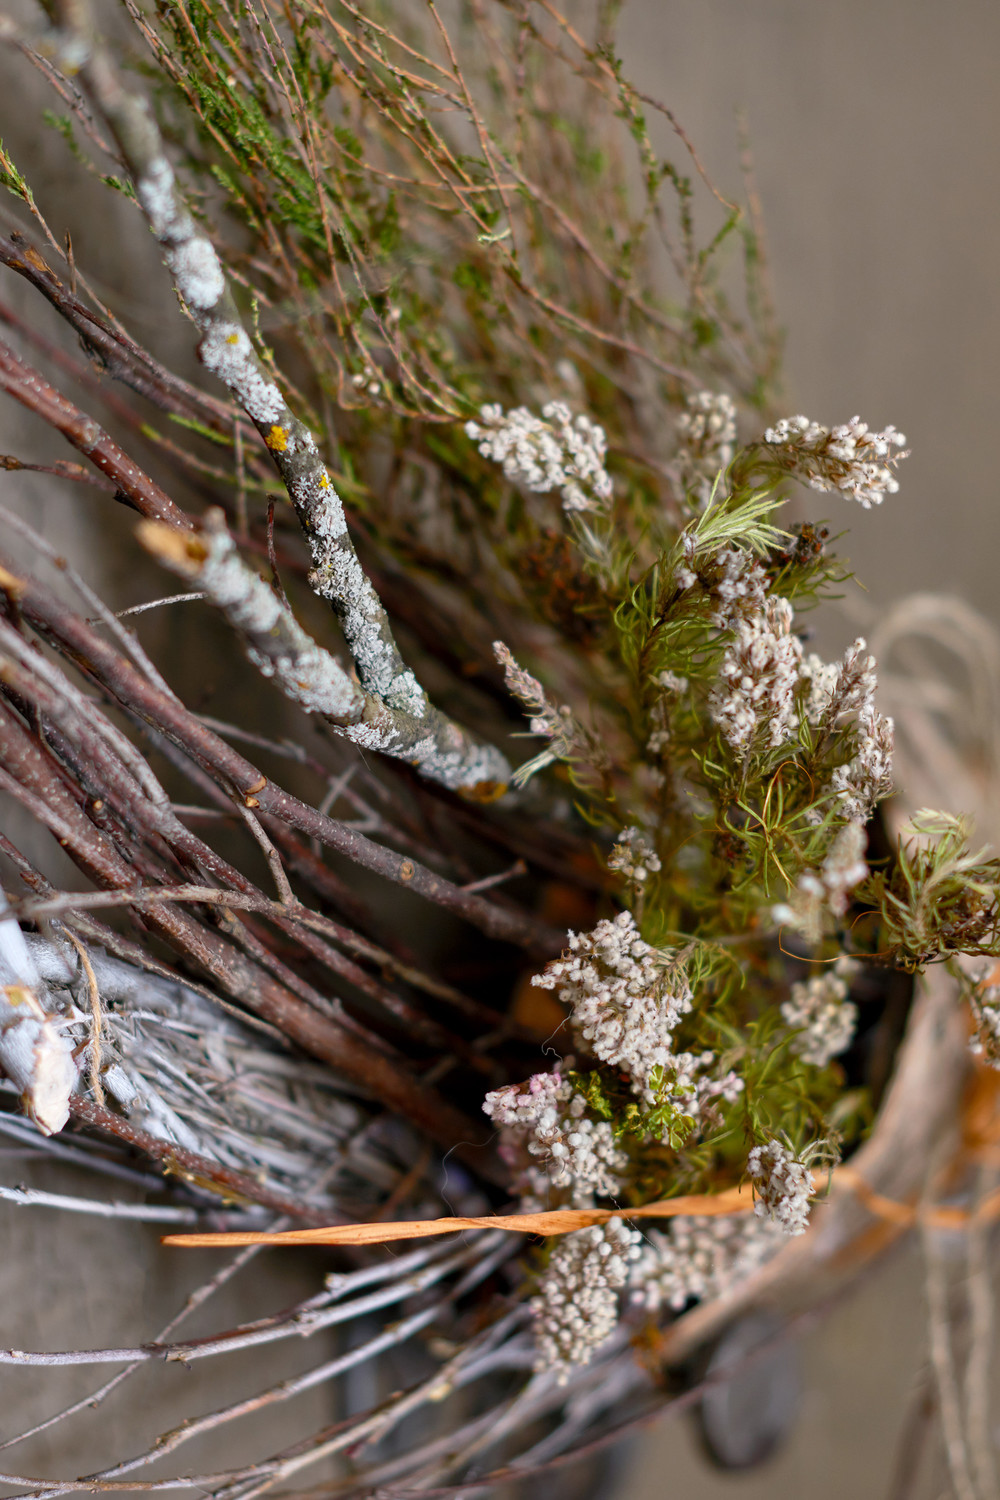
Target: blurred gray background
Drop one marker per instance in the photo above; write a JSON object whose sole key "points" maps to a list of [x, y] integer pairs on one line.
{"points": [[874, 131]]}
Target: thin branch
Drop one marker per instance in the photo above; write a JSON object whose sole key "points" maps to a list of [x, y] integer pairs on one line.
{"points": [[168, 715], [123, 359], [141, 492], [102, 1208], [140, 609], [96, 1019]]}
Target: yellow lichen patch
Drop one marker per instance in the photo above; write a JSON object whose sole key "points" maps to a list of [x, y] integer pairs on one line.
{"points": [[277, 439], [324, 480], [232, 338]]}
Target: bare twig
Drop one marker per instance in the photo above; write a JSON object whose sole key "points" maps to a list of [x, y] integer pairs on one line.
{"points": [[165, 712], [89, 438], [96, 1019]]}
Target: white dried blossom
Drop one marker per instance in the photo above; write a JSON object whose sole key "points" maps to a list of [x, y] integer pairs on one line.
{"points": [[867, 777], [782, 1187], [819, 678], [549, 1139], [552, 721], [759, 676], [634, 857], [837, 688], [819, 1010], [856, 680], [576, 1307], [554, 452], [626, 997], [828, 889], [700, 1258], [707, 432], [850, 458], [740, 587], [844, 866]]}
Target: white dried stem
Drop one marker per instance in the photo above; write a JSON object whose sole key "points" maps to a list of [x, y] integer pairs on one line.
{"points": [[102, 1208], [445, 753]]}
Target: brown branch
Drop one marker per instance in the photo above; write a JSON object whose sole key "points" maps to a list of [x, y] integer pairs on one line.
{"points": [[165, 713], [141, 492], [33, 778], [123, 360]]}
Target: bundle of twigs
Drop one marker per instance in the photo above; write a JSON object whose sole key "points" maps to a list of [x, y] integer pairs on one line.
{"points": [[287, 981]]}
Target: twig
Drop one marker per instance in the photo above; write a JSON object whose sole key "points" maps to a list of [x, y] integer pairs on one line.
{"points": [[208, 1175], [89, 438], [101, 1208], [140, 609], [123, 359], [96, 1019]]}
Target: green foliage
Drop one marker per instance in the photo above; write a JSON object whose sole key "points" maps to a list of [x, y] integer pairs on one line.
{"points": [[939, 897], [12, 179]]}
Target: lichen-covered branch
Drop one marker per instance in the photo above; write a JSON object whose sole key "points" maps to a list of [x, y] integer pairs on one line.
{"points": [[312, 677], [445, 753]]}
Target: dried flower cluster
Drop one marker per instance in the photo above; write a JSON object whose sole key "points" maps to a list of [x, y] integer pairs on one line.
{"points": [[633, 857], [699, 1258], [556, 451], [850, 458], [722, 766], [567, 739], [551, 1142], [759, 674], [707, 433], [867, 777], [819, 1010], [625, 998], [826, 892], [576, 1306], [782, 1187]]}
